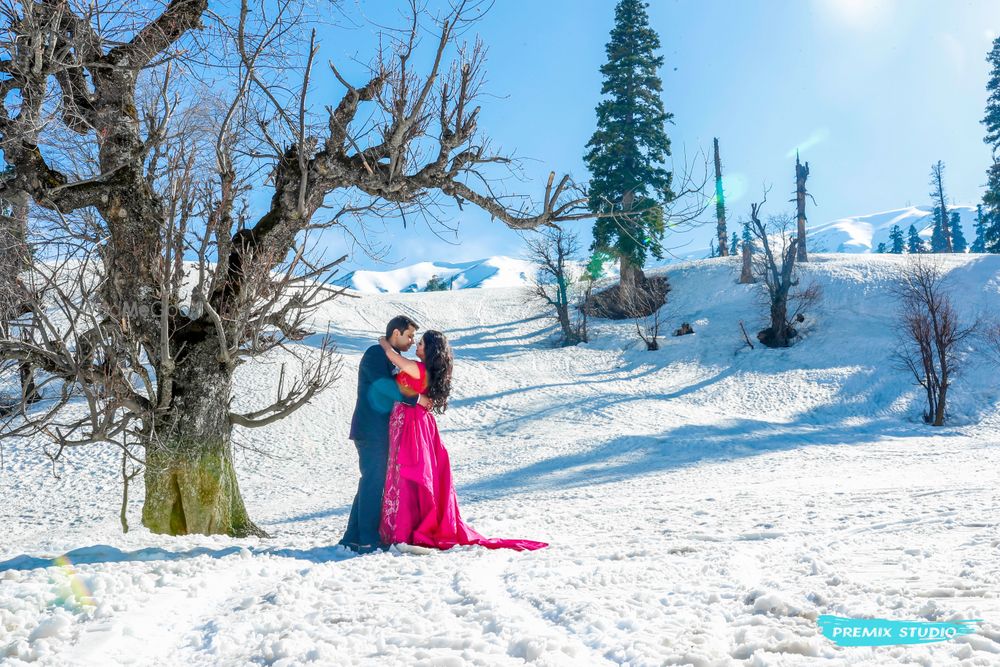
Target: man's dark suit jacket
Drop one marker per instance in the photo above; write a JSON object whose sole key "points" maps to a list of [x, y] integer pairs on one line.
{"points": [[377, 392]]}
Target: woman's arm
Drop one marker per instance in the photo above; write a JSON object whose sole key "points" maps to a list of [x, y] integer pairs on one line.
{"points": [[407, 366]]}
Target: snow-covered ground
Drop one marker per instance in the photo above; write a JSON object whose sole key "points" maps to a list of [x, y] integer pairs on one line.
{"points": [[704, 503]]}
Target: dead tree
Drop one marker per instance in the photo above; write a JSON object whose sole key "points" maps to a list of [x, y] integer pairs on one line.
{"points": [[786, 307], [720, 205], [991, 336], [801, 174], [746, 264], [929, 333], [555, 252], [649, 326], [151, 344]]}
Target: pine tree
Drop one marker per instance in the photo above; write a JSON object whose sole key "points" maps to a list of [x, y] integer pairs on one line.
{"points": [[627, 153], [735, 245], [896, 237], [937, 193], [958, 242], [711, 249], [435, 284], [992, 118], [881, 248], [938, 243], [991, 199], [991, 204], [914, 243], [979, 244]]}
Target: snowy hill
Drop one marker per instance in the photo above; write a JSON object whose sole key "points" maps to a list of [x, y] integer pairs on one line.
{"points": [[863, 233], [492, 272], [857, 234], [704, 503]]}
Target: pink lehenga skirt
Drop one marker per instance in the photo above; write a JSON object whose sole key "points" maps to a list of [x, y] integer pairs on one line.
{"points": [[419, 505]]}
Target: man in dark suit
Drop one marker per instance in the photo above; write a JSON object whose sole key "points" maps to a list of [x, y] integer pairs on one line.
{"points": [[377, 393]]}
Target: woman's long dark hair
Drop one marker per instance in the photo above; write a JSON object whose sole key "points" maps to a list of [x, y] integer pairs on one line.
{"points": [[439, 360]]}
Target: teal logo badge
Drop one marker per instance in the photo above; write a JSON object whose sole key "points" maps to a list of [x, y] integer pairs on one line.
{"points": [[881, 632]]}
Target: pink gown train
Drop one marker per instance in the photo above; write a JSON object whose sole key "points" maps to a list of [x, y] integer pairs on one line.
{"points": [[419, 504]]}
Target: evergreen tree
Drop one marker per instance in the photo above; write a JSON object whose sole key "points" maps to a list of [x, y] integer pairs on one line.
{"points": [[896, 237], [991, 204], [914, 243], [735, 245], [991, 199], [958, 242], [992, 118], [881, 248], [941, 242], [979, 244], [435, 284], [711, 248], [938, 241], [627, 153]]}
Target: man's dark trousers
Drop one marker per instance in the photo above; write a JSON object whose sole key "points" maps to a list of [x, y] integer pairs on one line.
{"points": [[366, 511]]}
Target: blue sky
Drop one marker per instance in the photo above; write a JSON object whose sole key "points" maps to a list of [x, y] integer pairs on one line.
{"points": [[871, 92]]}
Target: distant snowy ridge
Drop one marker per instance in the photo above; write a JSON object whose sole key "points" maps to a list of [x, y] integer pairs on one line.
{"points": [[491, 272], [863, 233], [851, 235]]}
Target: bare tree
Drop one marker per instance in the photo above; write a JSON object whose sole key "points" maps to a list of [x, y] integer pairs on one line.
{"points": [[720, 205], [991, 336], [786, 306], [746, 263], [556, 251], [801, 174], [650, 325], [929, 333], [167, 151]]}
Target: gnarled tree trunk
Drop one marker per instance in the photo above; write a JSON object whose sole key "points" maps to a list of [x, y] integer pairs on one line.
{"points": [[191, 484]]}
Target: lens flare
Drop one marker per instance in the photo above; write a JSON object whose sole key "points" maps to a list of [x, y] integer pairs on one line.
{"points": [[817, 137], [78, 591]]}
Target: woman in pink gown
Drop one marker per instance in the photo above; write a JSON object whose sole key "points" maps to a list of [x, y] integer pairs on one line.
{"points": [[419, 505]]}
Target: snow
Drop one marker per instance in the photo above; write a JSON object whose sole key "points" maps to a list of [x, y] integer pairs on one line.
{"points": [[704, 503], [491, 272], [863, 233], [855, 234]]}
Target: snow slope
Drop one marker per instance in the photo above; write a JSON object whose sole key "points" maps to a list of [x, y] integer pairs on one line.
{"points": [[856, 234], [492, 272], [863, 233], [704, 503]]}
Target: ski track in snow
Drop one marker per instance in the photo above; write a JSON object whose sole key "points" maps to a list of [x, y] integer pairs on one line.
{"points": [[704, 503]]}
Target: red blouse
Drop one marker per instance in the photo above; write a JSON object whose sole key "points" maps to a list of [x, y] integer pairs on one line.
{"points": [[411, 386]]}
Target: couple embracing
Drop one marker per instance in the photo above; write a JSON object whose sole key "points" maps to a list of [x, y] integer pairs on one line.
{"points": [[406, 495]]}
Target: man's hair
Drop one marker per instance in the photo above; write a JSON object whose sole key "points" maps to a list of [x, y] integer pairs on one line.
{"points": [[399, 323]]}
